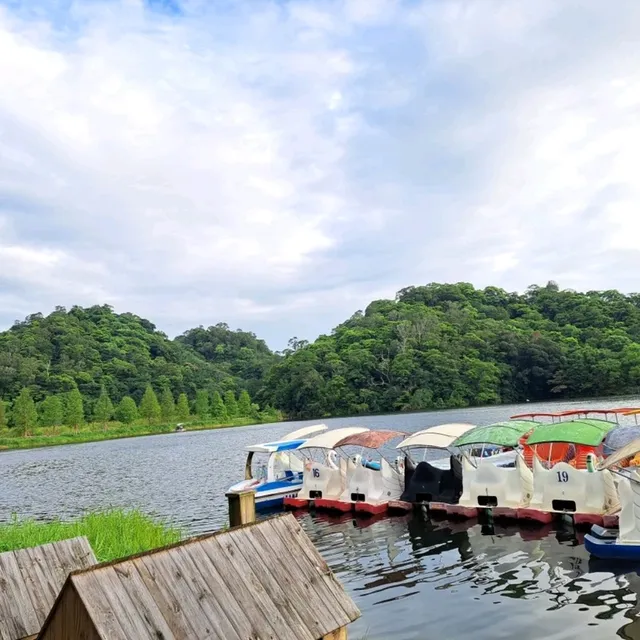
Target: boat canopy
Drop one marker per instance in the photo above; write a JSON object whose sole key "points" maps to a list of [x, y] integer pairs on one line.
{"points": [[305, 432], [619, 437], [626, 452], [369, 439], [274, 447], [502, 434], [438, 437], [587, 431], [531, 416], [329, 439]]}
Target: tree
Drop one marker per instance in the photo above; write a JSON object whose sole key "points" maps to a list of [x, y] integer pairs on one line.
{"points": [[167, 405], [103, 410], [149, 406], [73, 409], [51, 411], [3, 415], [127, 411], [244, 404], [231, 404], [202, 404], [182, 409], [25, 416], [218, 410]]}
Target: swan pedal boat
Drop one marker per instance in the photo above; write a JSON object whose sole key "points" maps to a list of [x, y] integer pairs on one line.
{"points": [[622, 543], [282, 475]]}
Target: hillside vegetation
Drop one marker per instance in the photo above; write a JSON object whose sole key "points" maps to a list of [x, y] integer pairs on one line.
{"points": [[434, 346]]}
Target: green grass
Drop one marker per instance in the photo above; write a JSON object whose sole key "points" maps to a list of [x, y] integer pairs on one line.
{"points": [[112, 534], [92, 432]]}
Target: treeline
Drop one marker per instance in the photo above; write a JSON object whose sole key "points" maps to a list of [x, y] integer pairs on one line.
{"points": [[79, 365], [434, 346], [451, 345], [68, 409]]}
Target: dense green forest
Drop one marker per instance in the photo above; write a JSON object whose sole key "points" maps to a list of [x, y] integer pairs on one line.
{"points": [[442, 345], [434, 346]]}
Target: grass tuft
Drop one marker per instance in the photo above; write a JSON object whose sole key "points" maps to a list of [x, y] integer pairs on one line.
{"points": [[112, 534]]}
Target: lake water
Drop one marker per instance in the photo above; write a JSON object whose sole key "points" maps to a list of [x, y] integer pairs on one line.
{"points": [[410, 577]]}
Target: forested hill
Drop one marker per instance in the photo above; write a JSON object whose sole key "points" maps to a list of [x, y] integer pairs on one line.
{"points": [[452, 345], [434, 346], [92, 348]]}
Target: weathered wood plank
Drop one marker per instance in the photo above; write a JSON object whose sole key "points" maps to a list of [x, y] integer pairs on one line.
{"points": [[234, 610], [242, 508], [307, 586], [101, 606], [73, 620], [15, 595], [254, 560], [141, 598], [291, 530], [202, 590], [250, 595], [158, 581]]}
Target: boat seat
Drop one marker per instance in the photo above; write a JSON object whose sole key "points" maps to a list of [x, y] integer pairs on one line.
{"points": [[430, 484]]}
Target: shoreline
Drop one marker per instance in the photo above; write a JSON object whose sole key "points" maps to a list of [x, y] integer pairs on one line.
{"points": [[40, 441]]}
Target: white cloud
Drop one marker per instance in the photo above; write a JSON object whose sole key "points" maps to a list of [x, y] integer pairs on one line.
{"points": [[278, 165]]}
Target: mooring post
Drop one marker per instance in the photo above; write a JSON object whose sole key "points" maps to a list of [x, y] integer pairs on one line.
{"points": [[339, 634], [242, 508]]}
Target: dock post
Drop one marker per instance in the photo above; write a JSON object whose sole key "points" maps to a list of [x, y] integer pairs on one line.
{"points": [[339, 634], [242, 508]]}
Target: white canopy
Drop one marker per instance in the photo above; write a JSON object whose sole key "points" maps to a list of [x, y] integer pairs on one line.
{"points": [[305, 432], [329, 439], [439, 437]]}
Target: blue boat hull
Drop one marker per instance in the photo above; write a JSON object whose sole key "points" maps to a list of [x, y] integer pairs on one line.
{"points": [[602, 544], [272, 494]]}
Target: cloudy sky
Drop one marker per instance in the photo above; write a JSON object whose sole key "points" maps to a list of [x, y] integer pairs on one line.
{"points": [[276, 165]]}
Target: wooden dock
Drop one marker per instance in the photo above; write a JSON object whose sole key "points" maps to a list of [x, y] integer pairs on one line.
{"points": [[255, 582], [31, 579]]}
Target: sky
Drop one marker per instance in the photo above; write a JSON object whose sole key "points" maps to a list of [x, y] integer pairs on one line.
{"points": [[277, 165]]}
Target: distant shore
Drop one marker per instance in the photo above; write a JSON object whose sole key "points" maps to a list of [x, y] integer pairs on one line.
{"points": [[113, 431]]}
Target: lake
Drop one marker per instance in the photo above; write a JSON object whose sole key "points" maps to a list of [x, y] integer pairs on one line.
{"points": [[411, 577]]}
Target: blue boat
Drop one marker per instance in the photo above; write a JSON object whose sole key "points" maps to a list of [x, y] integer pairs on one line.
{"points": [[605, 543], [272, 471]]}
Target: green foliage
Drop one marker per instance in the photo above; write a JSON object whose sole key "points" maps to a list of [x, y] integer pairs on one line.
{"points": [[231, 404], [182, 409], [51, 411], [88, 348], [127, 411], [202, 404], [73, 409], [451, 345], [245, 408], [103, 411], [218, 410], [149, 406], [3, 415], [24, 414], [111, 534], [167, 405]]}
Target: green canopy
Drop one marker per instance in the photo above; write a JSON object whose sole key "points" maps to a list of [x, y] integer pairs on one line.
{"points": [[503, 434], [589, 431]]}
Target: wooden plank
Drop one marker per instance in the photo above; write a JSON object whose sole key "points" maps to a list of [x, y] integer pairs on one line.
{"points": [[252, 597], [242, 508], [80, 554], [233, 609], [254, 588], [340, 634], [159, 582], [35, 562], [14, 592], [128, 614], [308, 588], [290, 531], [10, 627], [141, 598], [177, 572], [71, 619], [187, 558], [101, 607], [264, 567]]}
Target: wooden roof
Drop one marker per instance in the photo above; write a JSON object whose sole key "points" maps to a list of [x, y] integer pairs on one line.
{"points": [[30, 581], [259, 581]]}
